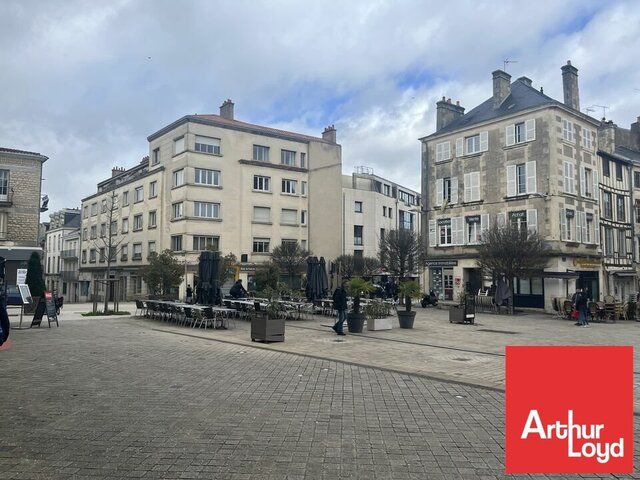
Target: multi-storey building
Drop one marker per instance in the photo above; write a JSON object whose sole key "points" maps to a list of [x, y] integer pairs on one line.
{"points": [[61, 224], [20, 203], [372, 206], [74, 287], [212, 181], [519, 157], [619, 151]]}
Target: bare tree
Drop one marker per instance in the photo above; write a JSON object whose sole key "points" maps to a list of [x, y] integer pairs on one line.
{"points": [[401, 252], [108, 238], [290, 258], [509, 251], [346, 265]]}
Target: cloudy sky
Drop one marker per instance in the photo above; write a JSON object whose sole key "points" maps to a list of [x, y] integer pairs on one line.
{"points": [[85, 82]]}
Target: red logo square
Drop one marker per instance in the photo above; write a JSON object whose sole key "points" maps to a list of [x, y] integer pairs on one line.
{"points": [[569, 409]]}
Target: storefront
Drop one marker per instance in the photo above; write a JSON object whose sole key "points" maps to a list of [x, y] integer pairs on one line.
{"points": [[441, 278]]}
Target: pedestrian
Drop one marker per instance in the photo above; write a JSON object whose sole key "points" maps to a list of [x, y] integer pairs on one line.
{"points": [[580, 304], [5, 325], [189, 294], [238, 291], [340, 305]]}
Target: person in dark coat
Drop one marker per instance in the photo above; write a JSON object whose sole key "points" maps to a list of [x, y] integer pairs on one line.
{"points": [[189, 294], [238, 291], [5, 324], [580, 304], [340, 305]]}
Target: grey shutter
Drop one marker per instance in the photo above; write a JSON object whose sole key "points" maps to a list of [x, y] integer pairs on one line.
{"points": [[484, 141], [454, 189], [530, 169], [530, 128], [432, 233], [467, 187], [501, 219], [510, 134], [439, 191], [563, 224], [532, 220], [511, 181], [459, 147]]}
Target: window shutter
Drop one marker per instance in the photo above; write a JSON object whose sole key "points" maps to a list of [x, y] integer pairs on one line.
{"points": [[454, 189], [432, 233], [501, 219], [563, 224], [635, 248], [584, 227], [459, 147], [457, 227], [530, 169], [484, 141], [596, 185], [467, 187], [511, 181], [532, 220], [475, 186], [530, 127], [484, 222], [510, 134], [569, 177], [578, 237], [583, 180], [596, 229], [439, 191]]}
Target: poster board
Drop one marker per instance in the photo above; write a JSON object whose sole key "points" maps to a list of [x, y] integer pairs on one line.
{"points": [[38, 314], [50, 305], [25, 293], [21, 276]]}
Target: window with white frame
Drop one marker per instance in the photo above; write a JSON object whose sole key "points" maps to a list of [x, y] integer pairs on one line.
{"points": [[621, 211], [262, 183], [444, 232], [206, 209], [125, 198], [567, 130], [103, 230], [153, 189], [587, 182], [587, 139], [205, 242], [521, 132], [104, 205], [387, 190], [4, 184], [443, 151], [357, 207], [205, 176], [155, 156], [153, 219], [177, 210], [124, 252], [125, 225], [288, 157], [261, 245], [261, 153], [569, 177], [85, 234], [289, 186], [178, 177], [472, 187], [179, 145], [303, 160], [138, 194], [473, 229], [289, 216], [472, 144], [176, 243], [567, 224], [521, 179], [262, 214], [151, 247], [357, 235], [92, 255], [137, 222], [207, 145]]}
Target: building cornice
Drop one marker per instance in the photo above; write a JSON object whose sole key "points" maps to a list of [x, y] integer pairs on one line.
{"points": [[132, 180]]}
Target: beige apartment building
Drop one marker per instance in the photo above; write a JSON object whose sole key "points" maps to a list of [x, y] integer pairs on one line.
{"points": [[519, 157], [62, 223], [212, 181]]}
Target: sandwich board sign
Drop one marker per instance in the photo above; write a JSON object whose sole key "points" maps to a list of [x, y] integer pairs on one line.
{"points": [[21, 276]]}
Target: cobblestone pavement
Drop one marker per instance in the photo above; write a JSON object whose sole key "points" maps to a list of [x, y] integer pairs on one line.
{"points": [[114, 398]]}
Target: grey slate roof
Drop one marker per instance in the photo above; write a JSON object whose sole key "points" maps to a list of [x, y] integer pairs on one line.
{"points": [[632, 155]]}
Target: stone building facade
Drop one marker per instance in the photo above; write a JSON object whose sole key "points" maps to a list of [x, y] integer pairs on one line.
{"points": [[519, 157], [60, 262], [20, 203]]}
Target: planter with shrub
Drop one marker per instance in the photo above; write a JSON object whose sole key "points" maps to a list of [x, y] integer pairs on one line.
{"points": [[407, 291], [356, 288]]}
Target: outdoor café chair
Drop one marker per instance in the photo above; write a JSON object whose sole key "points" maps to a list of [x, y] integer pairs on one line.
{"points": [[188, 316], [567, 308], [140, 310]]}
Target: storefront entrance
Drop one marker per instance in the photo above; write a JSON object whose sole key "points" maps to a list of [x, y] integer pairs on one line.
{"points": [[528, 292], [590, 282]]}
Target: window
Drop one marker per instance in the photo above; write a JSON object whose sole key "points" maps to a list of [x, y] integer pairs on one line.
{"points": [[567, 130], [382, 232], [153, 189], [520, 132], [201, 242], [137, 251], [569, 178], [443, 151], [262, 184], [406, 197], [357, 234], [124, 253], [358, 207], [586, 182], [303, 217], [114, 228], [606, 167], [587, 141], [177, 210], [104, 206], [472, 144], [261, 245], [92, 255], [94, 208], [206, 210], [521, 179], [446, 191], [176, 243], [444, 227], [518, 219], [261, 153], [622, 243], [84, 256], [4, 184], [567, 224], [473, 229], [287, 157], [262, 214], [207, 177], [303, 244], [103, 254], [289, 242], [138, 194], [608, 241], [588, 230], [151, 247], [125, 225], [289, 216], [384, 211], [85, 211], [472, 186], [405, 220], [103, 230], [207, 145], [618, 171], [94, 229], [153, 219], [137, 222], [85, 234], [387, 190], [636, 179], [607, 205], [125, 198], [303, 160], [303, 188], [620, 209], [289, 186], [178, 145], [155, 156], [178, 178]]}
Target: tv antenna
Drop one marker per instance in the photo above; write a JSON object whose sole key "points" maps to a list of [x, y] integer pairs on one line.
{"points": [[604, 109], [590, 109], [506, 62]]}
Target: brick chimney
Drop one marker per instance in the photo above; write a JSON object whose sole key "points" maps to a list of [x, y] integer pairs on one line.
{"points": [[501, 87], [635, 134], [447, 112], [329, 134], [570, 86], [115, 171], [226, 109]]}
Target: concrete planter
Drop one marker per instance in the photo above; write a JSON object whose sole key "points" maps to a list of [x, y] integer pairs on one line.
{"points": [[406, 318], [267, 329], [355, 322], [374, 324]]}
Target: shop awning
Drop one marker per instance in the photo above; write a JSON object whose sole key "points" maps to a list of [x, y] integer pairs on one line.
{"points": [[624, 273], [560, 275], [18, 253]]}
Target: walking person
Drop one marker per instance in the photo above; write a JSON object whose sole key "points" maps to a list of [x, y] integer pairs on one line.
{"points": [[189, 294], [340, 305], [5, 326], [580, 304]]}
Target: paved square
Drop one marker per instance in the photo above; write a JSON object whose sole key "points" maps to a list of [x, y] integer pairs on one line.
{"points": [[117, 398]]}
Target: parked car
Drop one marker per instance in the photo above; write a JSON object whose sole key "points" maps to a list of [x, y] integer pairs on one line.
{"points": [[13, 295]]}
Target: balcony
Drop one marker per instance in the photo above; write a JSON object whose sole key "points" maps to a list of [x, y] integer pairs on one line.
{"points": [[69, 254], [6, 200], [69, 275]]}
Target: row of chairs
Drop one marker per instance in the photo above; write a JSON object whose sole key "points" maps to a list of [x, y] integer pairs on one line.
{"points": [[205, 317]]}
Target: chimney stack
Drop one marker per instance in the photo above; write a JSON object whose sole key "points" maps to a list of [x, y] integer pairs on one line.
{"points": [[501, 87], [570, 86], [115, 171], [226, 109], [329, 134], [635, 134], [447, 112]]}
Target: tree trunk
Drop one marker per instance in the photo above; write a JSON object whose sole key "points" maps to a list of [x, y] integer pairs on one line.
{"points": [[407, 303]]}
